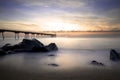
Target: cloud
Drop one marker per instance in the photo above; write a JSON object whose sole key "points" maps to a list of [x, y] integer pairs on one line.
{"points": [[104, 5], [54, 3], [19, 26], [89, 14]]}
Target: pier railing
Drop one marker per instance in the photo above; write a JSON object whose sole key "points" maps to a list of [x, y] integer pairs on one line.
{"points": [[2, 31]]}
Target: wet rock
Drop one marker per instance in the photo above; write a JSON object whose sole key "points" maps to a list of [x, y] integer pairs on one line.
{"points": [[114, 55], [52, 47], [97, 63], [30, 45], [51, 55], [39, 49], [10, 52], [21, 50], [2, 52], [7, 47], [53, 64]]}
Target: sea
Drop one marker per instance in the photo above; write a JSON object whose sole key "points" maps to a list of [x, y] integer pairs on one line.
{"points": [[73, 57]]}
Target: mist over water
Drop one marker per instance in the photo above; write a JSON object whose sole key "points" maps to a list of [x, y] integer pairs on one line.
{"points": [[74, 43], [71, 51], [74, 55]]}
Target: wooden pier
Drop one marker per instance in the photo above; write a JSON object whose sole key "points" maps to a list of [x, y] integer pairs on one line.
{"points": [[2, 31]]}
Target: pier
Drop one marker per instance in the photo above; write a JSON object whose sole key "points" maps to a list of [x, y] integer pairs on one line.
{"points": [[27, 33]]}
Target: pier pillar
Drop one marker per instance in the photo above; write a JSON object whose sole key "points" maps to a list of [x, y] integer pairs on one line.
{"points": [[2, 33], [26, 35], [32, 35], [37, 35], [16, 35]]}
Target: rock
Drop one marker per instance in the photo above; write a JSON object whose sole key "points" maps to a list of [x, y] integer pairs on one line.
{"points": [[29, 45], [2, 52], [53, 64], [7, 47], [52, 47], [34, 45], [21, 50], [97, 63], [38, 43], [114, 56], [10, 52], [40, 49], [51, 55]]}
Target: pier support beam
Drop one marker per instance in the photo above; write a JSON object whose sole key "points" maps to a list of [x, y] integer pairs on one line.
{"points": [[16, 35], [2, 34], [26, 35], [37, 35], [33, 35]]}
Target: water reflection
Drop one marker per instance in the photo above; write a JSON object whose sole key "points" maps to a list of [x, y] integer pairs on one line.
{"points": [[65, 59]]}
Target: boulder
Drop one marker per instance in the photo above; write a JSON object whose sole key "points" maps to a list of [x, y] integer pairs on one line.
{"points": [[114, 55], [51, 55], [2, 52], [30, 45], [52, 47], [7, 47], [39, 49], [10, 52], [53, 64], [97, 63]]}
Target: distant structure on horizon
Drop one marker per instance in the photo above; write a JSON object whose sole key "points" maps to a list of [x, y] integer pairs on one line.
{"points": [[26, 33]]}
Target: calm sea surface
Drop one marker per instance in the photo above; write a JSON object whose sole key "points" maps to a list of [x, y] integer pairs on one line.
{"points": [[74, 54], [74, 43]]}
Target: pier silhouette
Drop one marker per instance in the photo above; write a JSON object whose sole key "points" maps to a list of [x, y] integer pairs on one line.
{"points": [[2, 31]]}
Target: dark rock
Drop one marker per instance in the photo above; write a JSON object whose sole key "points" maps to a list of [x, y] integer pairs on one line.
{"points": [[114, 56], [97, 63], [39, 49], [29, 45], [51, 55], [10, 52], [55, 65], [7, 47], [17, 46], [2, 52], [21, 50], [52, 47]]}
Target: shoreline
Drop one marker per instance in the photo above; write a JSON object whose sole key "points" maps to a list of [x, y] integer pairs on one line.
{"points": [[87, 74]]}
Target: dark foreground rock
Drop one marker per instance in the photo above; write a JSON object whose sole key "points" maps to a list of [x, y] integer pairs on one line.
{"points": [[7, 47], [2, 53], [97, 63], [28, 45], [53, 64], [51, 47], [114, 55]]}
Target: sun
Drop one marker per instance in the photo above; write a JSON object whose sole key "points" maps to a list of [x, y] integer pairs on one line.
{"points": [[61, 26]]}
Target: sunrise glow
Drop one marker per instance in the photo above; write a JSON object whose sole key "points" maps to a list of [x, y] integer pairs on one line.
{"points": [[61, 26], [60, 15]]}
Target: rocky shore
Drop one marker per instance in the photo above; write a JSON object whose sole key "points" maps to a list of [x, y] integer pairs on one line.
{"points": [[27, 45]]}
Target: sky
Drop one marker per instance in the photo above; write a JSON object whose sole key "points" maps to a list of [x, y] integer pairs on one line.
{"points": [[57, 15]]}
